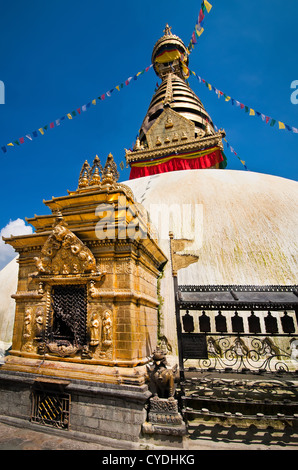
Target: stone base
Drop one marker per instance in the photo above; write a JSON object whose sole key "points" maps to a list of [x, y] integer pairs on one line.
{"points": [[164, 418], [76, 370], [102, 409]]}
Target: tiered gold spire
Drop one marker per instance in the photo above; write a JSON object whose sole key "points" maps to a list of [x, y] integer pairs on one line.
{"points": [[176, 122]]}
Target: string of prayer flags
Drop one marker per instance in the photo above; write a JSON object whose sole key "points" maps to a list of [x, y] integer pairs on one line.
{"points": [[247, 109], [72, 114], [232, 150], [205, 6]]}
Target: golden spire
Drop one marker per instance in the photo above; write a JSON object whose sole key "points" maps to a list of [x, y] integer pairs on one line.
{"points": [[169, 91]]}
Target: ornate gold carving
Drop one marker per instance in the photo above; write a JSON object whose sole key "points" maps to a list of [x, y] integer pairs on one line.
{"points": [[94, 330], [192, 144], [64, 253], [39, 322], [62, 348], [27, 323], [168, 124], [107, 329]]}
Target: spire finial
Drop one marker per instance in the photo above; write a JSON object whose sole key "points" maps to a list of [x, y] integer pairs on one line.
{"points": [[167, 30]]}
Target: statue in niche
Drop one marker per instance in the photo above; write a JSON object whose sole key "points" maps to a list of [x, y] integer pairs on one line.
{"points": [[107, 329], [27, 323], [94, 341], [39, 323]]}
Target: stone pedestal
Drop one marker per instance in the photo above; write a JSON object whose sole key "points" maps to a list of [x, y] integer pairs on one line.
{"points": [[164, 418]]}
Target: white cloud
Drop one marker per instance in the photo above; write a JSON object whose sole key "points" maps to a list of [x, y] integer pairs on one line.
{"points": [[14, 227]]}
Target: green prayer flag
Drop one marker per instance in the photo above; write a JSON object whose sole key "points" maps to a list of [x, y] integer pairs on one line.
{"points": [[273, 121], [246, 109]]}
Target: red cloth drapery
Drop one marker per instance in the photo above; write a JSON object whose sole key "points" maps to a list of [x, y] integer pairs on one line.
{"points": [[176, 163]]}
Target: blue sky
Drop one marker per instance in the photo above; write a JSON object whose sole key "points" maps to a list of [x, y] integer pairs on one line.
{"points": [[58, 55]]}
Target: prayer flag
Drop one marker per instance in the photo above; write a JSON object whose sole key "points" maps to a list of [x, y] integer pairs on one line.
{"points": [[4, 149], [17, 142], [79, 110], [29, 136], [103, 96], [251, 112], [84, 108], [52, 125], [199, 30], [117, 88], [41, 131], [273, 121], [21, 139], [267, 119], [94, 102], [57, 122], [295, 130], [10, 144], [201, 16], [246, 109], [207, 5], [73, 113], [34, 133], [69, 116], [281, 125]]}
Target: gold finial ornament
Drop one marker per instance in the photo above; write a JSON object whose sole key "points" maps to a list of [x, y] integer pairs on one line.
{"points": [[95, 178], [84, 175], [167, 30]]}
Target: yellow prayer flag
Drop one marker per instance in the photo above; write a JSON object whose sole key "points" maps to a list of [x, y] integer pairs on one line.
{"points": [[243, 162], [228, 98], [41, 131], [94, 102], [207, 5], [281, 125], [69, 116], [10, 144], [209, 86], [199, 32], [251, 112], [117, 88]]}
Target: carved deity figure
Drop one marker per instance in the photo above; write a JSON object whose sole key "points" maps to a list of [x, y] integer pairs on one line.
{"points": [[27, 323], [94, 331], [39, 323], [107, 329]]}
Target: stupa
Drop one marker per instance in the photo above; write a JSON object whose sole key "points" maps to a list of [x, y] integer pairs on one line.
{"points": [[225, 302]]}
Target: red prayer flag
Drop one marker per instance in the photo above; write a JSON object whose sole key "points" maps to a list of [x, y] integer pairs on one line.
{"points": [[21, 139], [267, 119], [241, 105], [201, 16], [52, 125]]}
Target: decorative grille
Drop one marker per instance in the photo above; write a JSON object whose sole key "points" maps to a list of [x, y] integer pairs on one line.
{"points": [[51, 409]]}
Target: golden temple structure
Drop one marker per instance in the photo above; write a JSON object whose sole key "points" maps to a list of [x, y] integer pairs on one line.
{"points": [[86, 300]]}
